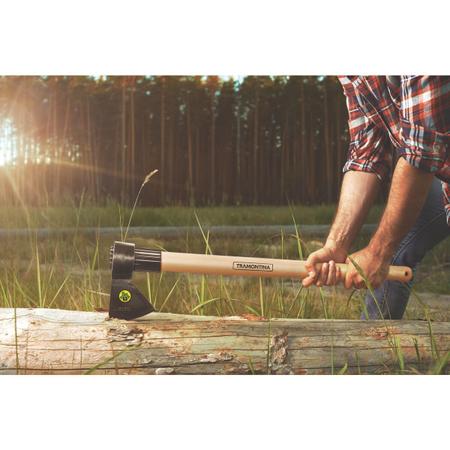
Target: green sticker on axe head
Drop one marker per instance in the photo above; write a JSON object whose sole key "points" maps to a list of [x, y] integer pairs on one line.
{"points": [[124, 296]]}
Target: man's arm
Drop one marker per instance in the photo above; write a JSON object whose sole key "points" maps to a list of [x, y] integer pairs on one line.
{"points": [[409, 189], [367, 166], [358, 192]]}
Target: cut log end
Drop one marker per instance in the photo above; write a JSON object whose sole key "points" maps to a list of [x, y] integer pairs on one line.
{"points": [[35, 341]]}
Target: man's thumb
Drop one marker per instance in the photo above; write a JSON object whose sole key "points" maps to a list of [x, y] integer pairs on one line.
{"points": [[310, 263]]}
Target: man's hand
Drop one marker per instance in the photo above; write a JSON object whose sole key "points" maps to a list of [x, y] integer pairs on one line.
{"points": [[373, 265], [329, 274], [358, 192]]}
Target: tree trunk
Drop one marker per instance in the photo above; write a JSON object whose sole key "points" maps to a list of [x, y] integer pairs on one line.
{"points": [[303, 151], [91, 170], [132, 137], [190, 153], [255, 150], [237, 195], [327, 150], [163, 139], [212, 171], [34, 341], [123, 149]]}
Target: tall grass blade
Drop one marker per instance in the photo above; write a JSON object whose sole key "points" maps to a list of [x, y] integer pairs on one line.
{"points": [[38, 277], [169, 294], [441, 365], [146, 180], [261, 297]]}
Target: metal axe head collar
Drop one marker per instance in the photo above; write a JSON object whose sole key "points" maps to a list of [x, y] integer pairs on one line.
{"points": [[126, 301]]}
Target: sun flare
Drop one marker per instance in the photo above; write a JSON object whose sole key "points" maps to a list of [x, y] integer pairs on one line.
{"points": [[8, 142]]}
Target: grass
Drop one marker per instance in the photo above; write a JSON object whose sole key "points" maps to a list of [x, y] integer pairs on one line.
{"points": [[73, 273], [84, 214]]}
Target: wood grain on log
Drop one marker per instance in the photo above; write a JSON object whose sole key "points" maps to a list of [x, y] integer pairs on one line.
{"points": [[34, 341]]}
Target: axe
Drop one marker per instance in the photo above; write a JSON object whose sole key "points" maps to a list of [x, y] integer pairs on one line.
{"points": [[127, 302]]}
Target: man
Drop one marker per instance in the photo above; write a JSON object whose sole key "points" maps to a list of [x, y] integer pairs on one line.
{"points": [[411, 115]]}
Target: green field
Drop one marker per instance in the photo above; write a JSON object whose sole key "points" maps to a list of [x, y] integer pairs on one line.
{"points": [[112, 215]]}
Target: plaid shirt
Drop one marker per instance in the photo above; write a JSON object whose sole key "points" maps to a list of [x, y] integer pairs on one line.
{"points": [[410, 114]]}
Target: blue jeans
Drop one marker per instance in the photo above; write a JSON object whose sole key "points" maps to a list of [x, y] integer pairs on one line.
{"points": [[430, 228]]}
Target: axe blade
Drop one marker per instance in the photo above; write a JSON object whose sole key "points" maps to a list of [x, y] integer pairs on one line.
{"points": [[127, 302]]}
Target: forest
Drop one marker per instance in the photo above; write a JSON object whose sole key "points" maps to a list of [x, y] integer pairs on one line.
{"points": [[215, 140]]}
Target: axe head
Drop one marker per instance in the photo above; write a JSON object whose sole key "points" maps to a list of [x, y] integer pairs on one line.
{"points": [[126, 301]]}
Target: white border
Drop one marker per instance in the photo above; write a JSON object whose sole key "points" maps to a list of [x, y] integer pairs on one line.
{"points": [[199, 37], [84, 37], [224, 412]]}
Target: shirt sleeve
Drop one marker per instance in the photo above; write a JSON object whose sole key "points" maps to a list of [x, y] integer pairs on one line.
{"points": [[425, 122], [370, 148]]}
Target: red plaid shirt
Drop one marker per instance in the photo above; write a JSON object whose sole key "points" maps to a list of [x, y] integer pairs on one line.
{"points": [[410, 114]]}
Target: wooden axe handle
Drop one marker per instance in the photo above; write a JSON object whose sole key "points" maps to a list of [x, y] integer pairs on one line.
{"points": [[246, 266]]}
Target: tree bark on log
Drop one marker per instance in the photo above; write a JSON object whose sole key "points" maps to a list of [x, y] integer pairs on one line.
{"points": [[46, 341]]}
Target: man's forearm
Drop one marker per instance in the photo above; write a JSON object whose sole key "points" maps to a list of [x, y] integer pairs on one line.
{"points": [[358, 192], [409, 189]]}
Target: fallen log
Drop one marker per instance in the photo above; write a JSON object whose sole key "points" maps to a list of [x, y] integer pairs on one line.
{"points": [[46, 341]]}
